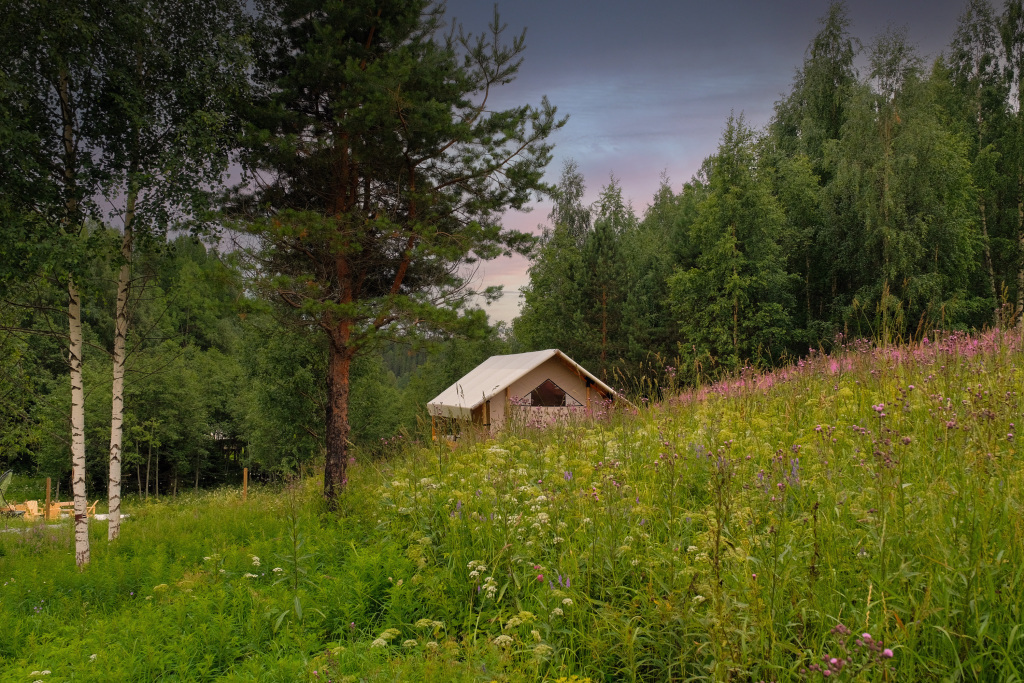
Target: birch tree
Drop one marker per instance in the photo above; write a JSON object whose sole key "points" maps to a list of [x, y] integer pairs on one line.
{"points": [[164, 138], [1011, 26], [49, 83]]}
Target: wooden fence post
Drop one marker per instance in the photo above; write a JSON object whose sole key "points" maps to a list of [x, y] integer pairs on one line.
{"points": [[46, 510]]}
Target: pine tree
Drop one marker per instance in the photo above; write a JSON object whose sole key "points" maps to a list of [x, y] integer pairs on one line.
{"points": [[378, 170]]}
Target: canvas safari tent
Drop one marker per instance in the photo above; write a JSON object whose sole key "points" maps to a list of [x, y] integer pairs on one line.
{"points": [[541, 383]]}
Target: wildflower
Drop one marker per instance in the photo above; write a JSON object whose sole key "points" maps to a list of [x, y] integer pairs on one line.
{"points": [[424, 623], [380, 642], [536, 635], [277, 570], [255, 561], [887, 653], [432, 645], [542, 650], [557, 612], [92, 658], [540, 577], [697, 599], [247, 575], [409, 643], [503, 641], [207, 558], [567, 602], [691, 549]]}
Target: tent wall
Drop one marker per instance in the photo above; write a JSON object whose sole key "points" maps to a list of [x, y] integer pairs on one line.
{"points": [[567, 379]]}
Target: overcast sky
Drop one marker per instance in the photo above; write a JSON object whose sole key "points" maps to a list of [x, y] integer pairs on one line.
{"points": [[648, 85]]}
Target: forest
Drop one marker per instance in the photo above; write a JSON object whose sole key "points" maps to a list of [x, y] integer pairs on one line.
{"points": [[185, 191], [884, 199]]}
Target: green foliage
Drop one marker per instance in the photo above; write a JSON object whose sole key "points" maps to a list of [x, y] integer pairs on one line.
{"points": [[884, 204], [579, 282], [734, 303], [899, 204]]}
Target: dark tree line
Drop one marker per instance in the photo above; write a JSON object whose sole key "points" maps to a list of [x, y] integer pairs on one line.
{"points": [[374, 168], [885, 198]]}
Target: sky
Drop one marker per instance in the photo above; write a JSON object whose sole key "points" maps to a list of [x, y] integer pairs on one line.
{"points": [[648, 85]]}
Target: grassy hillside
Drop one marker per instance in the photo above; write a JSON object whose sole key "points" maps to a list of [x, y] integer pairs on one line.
{"points": [[857, 517]]}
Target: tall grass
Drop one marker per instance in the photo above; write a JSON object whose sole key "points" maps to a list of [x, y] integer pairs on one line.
{"points": [[855, 517]]}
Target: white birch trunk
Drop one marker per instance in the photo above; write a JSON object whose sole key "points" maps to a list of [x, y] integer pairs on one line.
{"points": [[117, 402], [1020, 242], [77, 426]]}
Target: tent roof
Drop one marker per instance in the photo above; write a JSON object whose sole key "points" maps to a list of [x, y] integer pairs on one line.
{"points": [[492, 377]]}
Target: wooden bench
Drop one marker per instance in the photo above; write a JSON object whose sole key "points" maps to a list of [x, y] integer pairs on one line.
{"points": [[30, 509], [67, 507]]}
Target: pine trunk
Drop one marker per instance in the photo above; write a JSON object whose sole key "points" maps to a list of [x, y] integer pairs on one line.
{"points": [[338, 372], [117, 402], [77, 426]]}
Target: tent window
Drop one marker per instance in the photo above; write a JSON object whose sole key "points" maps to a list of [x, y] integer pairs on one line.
{"points": [[551, 395]]}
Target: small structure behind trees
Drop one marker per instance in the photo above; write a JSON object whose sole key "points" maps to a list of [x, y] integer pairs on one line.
{"points": [[538, 386]]}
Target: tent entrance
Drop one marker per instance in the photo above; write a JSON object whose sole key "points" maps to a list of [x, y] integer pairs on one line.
{"points": [[550, 395]]}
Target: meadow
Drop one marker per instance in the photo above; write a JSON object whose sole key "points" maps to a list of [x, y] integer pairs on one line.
{"points": [[855, 517]]}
